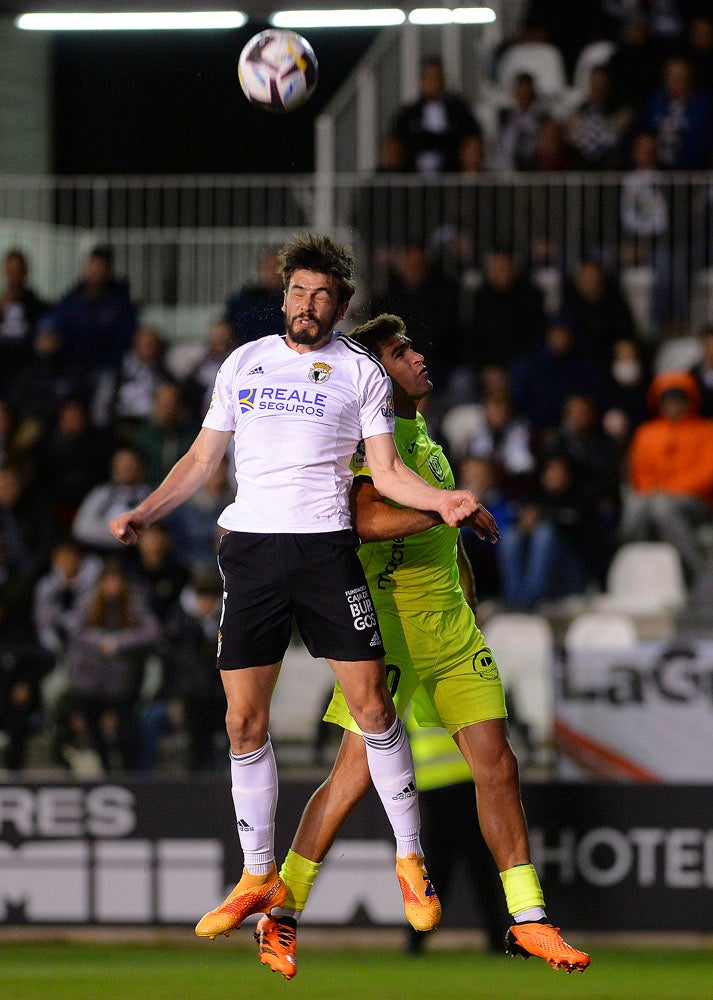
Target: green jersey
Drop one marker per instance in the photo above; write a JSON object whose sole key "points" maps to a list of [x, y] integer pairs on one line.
{"points": [[418, 572]]}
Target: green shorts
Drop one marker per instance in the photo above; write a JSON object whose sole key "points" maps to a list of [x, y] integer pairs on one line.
{"points": [[439, 662]]}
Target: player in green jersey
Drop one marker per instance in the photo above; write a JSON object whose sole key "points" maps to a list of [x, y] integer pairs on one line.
{"points": [[438, 661]]}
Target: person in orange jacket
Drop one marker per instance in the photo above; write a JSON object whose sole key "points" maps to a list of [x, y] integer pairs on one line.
{"points": [[671, 471]]}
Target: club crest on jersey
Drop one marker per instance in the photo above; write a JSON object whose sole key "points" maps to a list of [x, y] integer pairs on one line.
{"points": [[434, 464], [319, 372], [484, 664], [387, 410], [246, 400]]}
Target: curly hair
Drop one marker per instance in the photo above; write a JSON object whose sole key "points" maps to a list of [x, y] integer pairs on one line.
{"points": [[310, 252]]}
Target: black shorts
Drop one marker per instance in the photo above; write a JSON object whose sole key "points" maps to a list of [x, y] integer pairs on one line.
{"points": [[315, 577]]}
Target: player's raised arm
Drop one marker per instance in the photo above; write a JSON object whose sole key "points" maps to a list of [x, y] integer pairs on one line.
{"points": [[186, 477], [394, 480]]}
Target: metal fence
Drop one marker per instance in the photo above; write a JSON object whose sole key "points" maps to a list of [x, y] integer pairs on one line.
{"points": [[186, 243]]}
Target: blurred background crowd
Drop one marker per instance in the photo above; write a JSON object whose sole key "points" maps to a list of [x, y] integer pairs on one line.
{"points": [[578, 430]]}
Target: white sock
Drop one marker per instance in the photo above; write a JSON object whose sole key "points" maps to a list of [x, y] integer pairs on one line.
{"points": [[391, 766], [532, 915], [254, 790]]}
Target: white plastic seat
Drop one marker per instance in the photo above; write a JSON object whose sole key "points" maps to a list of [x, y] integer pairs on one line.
{"points": [[644, 578], [460, 423], [600, 630], [523, 647], [541, 59], [677, 354], [593, 54]]}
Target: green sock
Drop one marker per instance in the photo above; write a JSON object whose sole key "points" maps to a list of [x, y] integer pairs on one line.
{"points": [[298, 874], [522, 888]]}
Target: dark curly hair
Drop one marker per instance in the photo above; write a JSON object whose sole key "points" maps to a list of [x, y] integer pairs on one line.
{"points": [[321, 254]]}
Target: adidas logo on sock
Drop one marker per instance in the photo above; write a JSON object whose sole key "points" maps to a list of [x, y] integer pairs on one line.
{"points": [[256, 371], [406, 793], [375, 639], [244, 826]]}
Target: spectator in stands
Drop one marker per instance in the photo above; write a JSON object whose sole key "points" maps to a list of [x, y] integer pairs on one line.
{"points": [[432, 128], [23, 664], [197, 385], [623, 395], [256, 310], [159, 572], [166, 434], [427, 300], [595, 461], [682, 118], [45, 381], [541, 557], [19, 440], [29, 534], [191, 697], [596, 310], [74, 459], [194, 525], [125, 488], [542, 380], [481, 476], [699, 50], [702, 371], [20, 310], [508, 315], [504, 437], [550, 153], [96, 319], [72, 574], [110, 634], [644, 207], [670, 485], [636, 63], [518, 125], [125, 395], [595, 131]]}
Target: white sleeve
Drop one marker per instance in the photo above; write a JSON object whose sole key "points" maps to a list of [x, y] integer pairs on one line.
{"points": [[221, 412], [376, 412]]}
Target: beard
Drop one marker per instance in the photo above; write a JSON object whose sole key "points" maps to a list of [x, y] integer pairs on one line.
{"points": [[321, 330]]}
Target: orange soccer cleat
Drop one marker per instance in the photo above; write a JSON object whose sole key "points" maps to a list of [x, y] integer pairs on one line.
{"points": [[544, 941], [277, 944], [252, 894], [421, 904]]}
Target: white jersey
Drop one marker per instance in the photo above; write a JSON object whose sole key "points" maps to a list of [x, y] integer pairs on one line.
{"points": [[297, 420]]}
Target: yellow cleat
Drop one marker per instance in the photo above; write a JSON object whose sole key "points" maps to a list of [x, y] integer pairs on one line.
{"points": [[542, 940], [421, 904], [252, 894], [277, 944]]}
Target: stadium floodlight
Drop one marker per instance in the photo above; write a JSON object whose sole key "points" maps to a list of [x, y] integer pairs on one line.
{"points": [[363, 18], [454, 15], [132, 21]]}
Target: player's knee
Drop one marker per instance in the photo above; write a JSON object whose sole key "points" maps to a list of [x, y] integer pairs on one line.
{"points": [[245, 731], [374, 717]]}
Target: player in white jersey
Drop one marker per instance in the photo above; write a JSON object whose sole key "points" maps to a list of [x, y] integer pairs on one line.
{"points": [[296, 406]]}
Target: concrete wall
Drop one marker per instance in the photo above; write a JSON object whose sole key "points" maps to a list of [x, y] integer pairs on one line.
{"points": [[25, 101]]}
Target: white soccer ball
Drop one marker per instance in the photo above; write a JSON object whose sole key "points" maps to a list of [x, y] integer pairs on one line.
{"points": [[277, 70]]}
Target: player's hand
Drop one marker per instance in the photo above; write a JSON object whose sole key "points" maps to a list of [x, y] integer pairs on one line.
{"points": [[454, 507], [483, 524], [128, 527]]}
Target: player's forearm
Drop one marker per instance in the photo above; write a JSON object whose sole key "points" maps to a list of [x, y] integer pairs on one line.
{"points": [[186, 477], [380, 522], [408, 489]]}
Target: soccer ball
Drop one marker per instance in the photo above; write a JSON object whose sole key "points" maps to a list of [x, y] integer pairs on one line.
{"points": [[277, 70]]}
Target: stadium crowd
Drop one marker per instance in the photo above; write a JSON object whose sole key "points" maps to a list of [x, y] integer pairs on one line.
{"points": [[559, 422]]}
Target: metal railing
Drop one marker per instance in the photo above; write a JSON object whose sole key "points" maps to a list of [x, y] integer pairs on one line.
{"points": [[187, 243]]}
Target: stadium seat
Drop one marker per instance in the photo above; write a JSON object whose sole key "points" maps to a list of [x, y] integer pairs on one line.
{"points": [[459, 425], [600, 630], [645, 578], [593, 54], [542, 59], [677, 354], [637, 284], [523, 646]]}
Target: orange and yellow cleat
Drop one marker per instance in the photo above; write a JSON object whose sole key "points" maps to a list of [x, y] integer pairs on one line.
{"points": [[421, 904], [277, 944], [542, 940], [252, 894]]}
